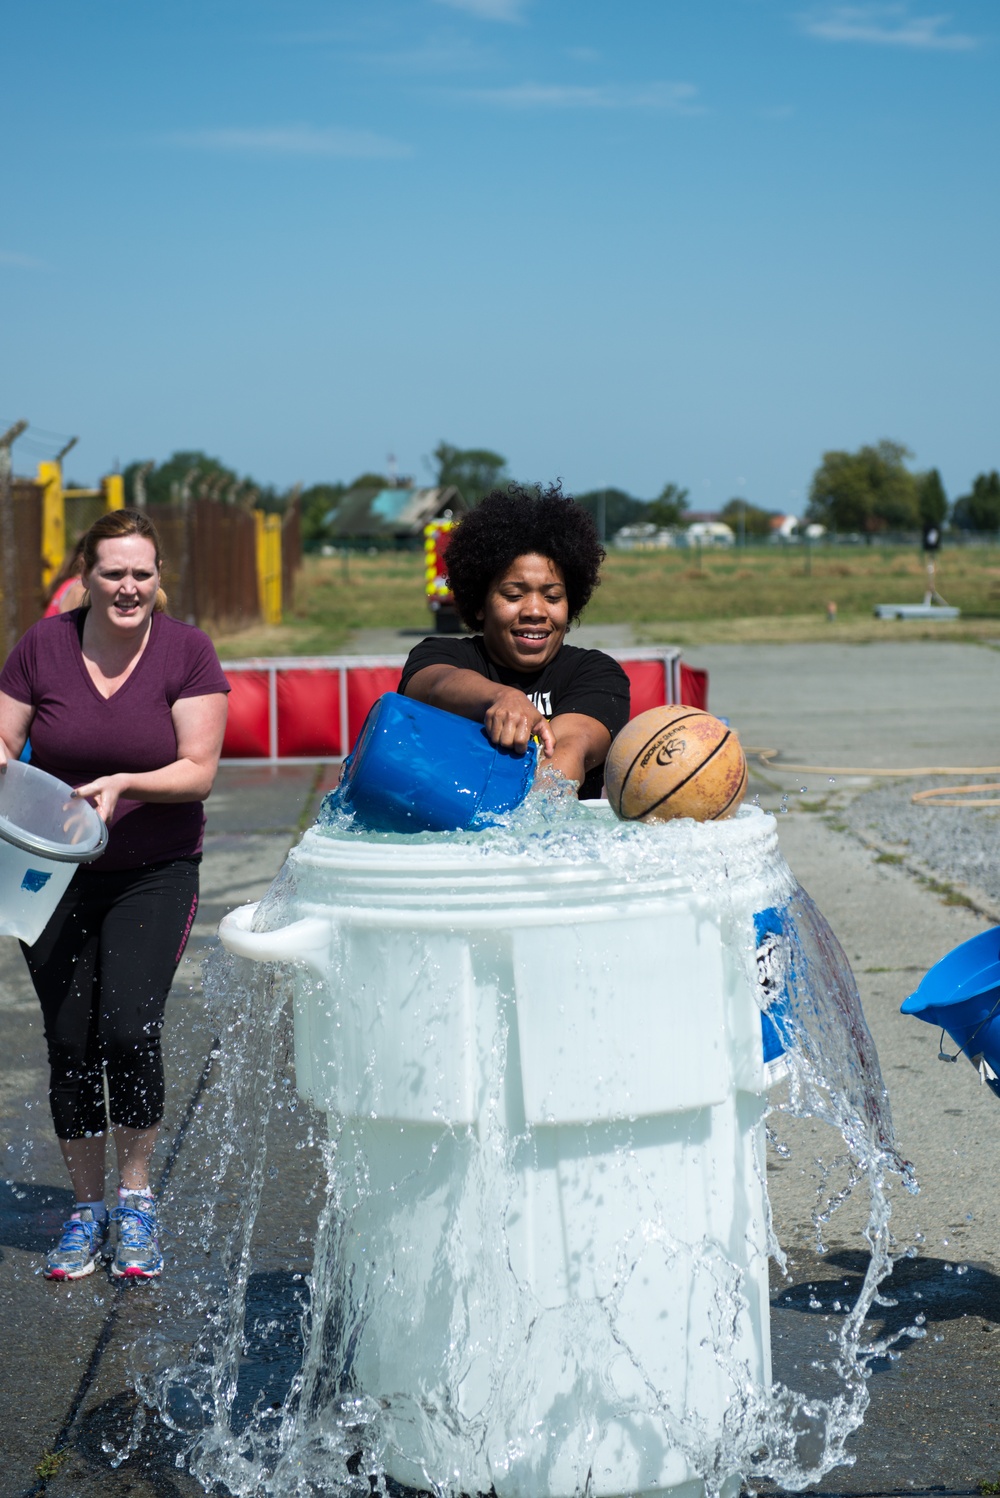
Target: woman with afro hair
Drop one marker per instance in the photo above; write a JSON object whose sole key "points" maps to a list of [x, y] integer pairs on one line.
{"points": [[522, 566]]}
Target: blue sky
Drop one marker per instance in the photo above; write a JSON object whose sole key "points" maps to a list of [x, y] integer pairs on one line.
{"points": [[621, 243]]}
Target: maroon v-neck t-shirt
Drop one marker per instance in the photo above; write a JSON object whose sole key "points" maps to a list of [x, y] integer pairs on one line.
{"points": [[78, 735]]}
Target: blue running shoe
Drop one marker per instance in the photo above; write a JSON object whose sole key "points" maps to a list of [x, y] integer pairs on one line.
{"points": [[79, 1248], [138, 1253]]}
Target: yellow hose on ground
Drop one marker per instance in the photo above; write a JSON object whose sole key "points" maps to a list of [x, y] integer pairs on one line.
{"points": [[767, 756], [956, 790]]}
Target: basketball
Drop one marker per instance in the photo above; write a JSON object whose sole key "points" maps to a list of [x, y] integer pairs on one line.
{"points": [[675, 762]]}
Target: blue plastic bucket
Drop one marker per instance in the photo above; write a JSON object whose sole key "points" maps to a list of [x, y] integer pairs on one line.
{"points": [[961, 995], [415, 768]]}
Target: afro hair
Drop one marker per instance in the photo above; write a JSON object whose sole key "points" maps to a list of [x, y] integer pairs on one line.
{"points": [[515, 522]]}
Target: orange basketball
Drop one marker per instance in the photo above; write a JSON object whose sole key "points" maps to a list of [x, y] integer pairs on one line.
{"points": [[675, 762]]}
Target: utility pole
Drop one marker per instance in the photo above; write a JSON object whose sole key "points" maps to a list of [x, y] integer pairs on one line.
{"points": [[8, 540]]}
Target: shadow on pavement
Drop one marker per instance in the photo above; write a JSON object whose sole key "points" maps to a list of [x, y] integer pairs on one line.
{"points": [[31, 1215], [275, 1302], [802, 1316], [106, 1429], [939, 1290], [932, 1427]]}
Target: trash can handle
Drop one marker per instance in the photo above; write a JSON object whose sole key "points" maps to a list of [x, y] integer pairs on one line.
{"points": [[307, 940]]}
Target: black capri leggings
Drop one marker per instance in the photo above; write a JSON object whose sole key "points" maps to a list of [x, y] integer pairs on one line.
{"points": [[102, 969]]}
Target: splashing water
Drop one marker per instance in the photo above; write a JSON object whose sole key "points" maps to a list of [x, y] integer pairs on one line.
{"points": [[261, 1357], [834, 1077]]}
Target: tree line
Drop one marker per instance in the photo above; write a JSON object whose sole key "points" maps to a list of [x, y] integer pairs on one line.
{"points": [[868, 491], [192, 474], [873, 490]]}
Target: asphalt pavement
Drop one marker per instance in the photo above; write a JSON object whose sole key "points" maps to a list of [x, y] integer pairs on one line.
{"points": [[65, 1401]]}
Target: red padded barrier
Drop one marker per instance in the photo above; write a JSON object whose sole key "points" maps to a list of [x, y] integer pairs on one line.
{"points": [[247, 723], [308, 713], [694, 687], [309, 702], [647, 683], [365, 684]]}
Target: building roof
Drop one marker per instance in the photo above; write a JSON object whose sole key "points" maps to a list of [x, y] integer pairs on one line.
{"points": [[392, 512]]}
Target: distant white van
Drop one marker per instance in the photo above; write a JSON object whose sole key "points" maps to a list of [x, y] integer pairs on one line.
{"points": [[709, 533], [644, 536]]}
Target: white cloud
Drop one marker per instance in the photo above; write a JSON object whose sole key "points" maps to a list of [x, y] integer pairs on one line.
{"points": [[490, 10], [893, 25], [674, 98], [20, 262], [292, 140]]}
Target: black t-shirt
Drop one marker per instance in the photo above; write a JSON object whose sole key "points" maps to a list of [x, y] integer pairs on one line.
{"points": [[574, 681]]}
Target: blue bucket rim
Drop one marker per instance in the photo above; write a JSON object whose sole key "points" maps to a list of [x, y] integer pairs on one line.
{"points": [[967, 967]]}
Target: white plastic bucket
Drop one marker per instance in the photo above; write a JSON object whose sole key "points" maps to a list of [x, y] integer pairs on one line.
{"points": [[625, 1007], [44, 835]]}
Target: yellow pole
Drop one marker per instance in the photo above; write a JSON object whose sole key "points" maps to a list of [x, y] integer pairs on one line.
{"points": [[113, 486], [53, 521], [269, 565], [273, 529]]}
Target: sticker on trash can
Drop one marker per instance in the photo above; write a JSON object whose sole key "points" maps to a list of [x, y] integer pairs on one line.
{"points": [[772, 975], [34, 880]]}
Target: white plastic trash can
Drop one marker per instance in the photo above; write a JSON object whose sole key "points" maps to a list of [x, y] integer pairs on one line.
{"points": [[44, 835], [550, 1071]]}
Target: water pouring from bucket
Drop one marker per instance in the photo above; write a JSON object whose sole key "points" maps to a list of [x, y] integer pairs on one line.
{"points": [[45, 833]]}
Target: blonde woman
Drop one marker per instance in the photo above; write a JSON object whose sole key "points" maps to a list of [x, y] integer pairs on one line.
{"points": [[129, 707]]}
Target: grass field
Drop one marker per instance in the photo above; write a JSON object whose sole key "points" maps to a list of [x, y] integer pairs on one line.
{"points": [[766, 595]]}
